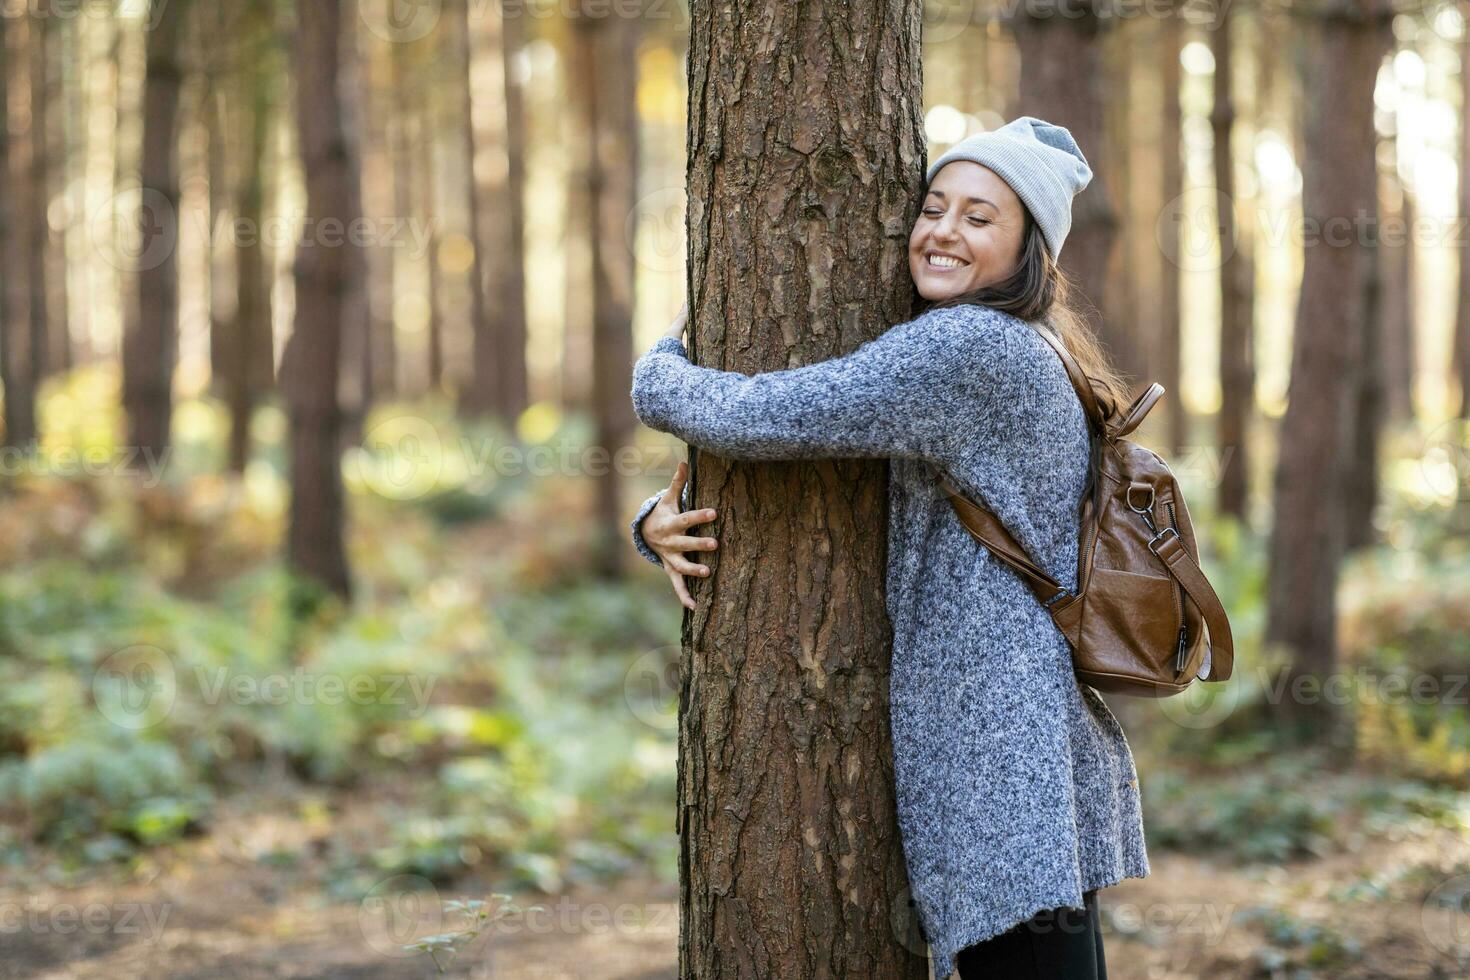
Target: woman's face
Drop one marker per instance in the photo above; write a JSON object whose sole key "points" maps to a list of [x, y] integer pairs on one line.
{"points": [[972, 216]]}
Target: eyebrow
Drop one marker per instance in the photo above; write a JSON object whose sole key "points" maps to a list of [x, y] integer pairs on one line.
{"points": [[970, 200]]}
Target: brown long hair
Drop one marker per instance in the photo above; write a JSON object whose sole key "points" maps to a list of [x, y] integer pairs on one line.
{"points": [[1039, 293]]}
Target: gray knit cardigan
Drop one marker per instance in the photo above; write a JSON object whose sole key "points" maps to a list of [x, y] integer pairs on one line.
{"points": [[1016, 789]]}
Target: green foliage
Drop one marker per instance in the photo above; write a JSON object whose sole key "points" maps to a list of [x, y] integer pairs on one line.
{"points": [[79, 790], [1262, 815], [1297, 944]]}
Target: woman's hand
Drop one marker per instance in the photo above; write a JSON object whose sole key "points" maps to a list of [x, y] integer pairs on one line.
{"points": [[676, 330], [664, 531]]}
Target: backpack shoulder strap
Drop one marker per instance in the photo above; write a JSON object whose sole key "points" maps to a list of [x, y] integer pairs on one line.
{"points": [[1080, 384], [1192, 579], [989, 531]]}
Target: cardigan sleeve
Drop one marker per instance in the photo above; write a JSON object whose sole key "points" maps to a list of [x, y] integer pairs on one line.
{"points": [[644, 508], [902, 394]]}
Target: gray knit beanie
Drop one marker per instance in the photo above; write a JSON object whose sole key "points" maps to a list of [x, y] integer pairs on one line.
{"points": [[1041, 162]]}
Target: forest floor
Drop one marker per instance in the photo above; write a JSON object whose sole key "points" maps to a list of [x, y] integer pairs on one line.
{"points": [[218, 906]]}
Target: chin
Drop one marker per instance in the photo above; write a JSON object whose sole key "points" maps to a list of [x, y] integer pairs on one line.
{"points": [[934, 292]]}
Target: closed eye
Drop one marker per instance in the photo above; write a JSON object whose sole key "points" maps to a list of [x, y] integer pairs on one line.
{"points": [[935, 212]]}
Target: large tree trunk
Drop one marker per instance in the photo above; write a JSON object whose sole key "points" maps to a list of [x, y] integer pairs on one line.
{"points": [[1062, 82], [312, 360], [1237, 366], [150, 347], [15, 346], [612, 131], [800, 205], [511, 390], [1316, 435]]}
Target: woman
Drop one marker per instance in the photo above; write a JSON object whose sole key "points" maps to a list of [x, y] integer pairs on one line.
{"points": [[1016, 790]]}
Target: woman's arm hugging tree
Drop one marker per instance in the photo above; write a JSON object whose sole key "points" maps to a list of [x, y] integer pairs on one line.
{"points": [[894, 396]]}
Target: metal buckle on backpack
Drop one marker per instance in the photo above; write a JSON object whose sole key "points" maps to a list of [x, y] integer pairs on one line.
{"points": [[1165, 532], [1063, 594]]}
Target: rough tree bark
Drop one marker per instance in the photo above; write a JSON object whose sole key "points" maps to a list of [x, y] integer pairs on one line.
{"points": [[800, 206]]}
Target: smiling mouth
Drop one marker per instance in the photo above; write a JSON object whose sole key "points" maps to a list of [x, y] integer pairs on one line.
{"points": [[943, 263]]}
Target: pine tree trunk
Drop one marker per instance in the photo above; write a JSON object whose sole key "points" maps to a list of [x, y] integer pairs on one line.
{"points": [[1120, 49], [1398, 332], [1361, 484], [355, 383], [1171, 339], [1316, 435], [800, 205], [54, 185], [1237, 381], [249, 373], [15, 347], [378, 201], [1062, 81], [38, 30], [612, 130], [150, 348], [312, 361], [478, 394], [1461, 350], [576, 361], [511, 389]]}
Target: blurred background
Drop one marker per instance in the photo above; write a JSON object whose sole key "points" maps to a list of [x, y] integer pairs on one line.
{"points": [[341, 709]]}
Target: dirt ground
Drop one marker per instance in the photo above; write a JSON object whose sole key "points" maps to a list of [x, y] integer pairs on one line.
{"points": [[213, 907]]}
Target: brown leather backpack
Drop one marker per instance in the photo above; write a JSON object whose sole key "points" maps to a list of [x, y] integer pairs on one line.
{"points": [[1137, 624]]}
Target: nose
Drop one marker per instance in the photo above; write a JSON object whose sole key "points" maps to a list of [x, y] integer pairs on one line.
{"points": [[944, 230]]}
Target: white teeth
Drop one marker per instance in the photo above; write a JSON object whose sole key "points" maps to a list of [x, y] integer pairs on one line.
{"points": [[945, 262]]}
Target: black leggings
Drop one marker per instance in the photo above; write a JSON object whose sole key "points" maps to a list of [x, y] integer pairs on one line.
{"points": [[1059, 944]]}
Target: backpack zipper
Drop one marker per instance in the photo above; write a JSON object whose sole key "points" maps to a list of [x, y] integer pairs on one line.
{"points": [[1179, 599]]}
